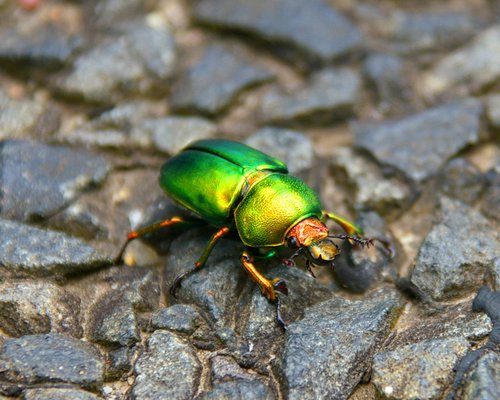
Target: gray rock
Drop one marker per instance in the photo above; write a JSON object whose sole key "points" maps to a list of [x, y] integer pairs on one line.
{"points": [[493, 110], [38, 179], [327, 353], [179, 317], [172, 134], [118, 363], [461, 180], [418, 371], [118, 127], [419, 145], [371, 189], [117, 13], [48, 46], [292, 147], [471, 69], [331, 95], [169, 369], [58, 394], [231, 381], [111, 321], [389, 78], [484, 381], [18, 118], [457, 254], [312, 26], [50, 358], [28, 307], [214, 81], [452, 321], [240, 390], [214, 287], [418, 32], [136, 62], [28, 250], [140, 286]]}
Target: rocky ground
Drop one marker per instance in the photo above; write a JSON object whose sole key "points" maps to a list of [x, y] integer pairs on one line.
{"points": [[390, 110]]}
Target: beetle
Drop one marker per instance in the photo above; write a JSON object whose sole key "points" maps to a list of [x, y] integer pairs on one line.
{"points": [[234, 187]]}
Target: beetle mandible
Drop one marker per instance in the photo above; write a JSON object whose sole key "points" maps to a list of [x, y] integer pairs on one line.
{"points": [[234, 187]]}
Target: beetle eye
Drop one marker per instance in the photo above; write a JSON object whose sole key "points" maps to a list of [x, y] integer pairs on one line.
{"points": [[292, 242]]}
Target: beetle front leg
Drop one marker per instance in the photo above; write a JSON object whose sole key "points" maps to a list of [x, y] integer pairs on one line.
{"points": [[268, 287], [201, 261]]}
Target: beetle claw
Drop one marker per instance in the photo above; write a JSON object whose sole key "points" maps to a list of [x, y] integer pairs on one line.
{"points": [[280, 286]]}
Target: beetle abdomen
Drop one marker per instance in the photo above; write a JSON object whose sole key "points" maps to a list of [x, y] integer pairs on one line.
{"points": [[271, 207]]}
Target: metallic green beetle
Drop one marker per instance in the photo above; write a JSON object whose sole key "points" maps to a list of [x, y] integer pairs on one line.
{"points": [[237, 188]]}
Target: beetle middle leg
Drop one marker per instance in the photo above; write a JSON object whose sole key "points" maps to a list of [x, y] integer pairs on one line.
{"points": [[201, 261]]}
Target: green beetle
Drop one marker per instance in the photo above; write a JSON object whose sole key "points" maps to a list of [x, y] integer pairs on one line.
{"points": [[237, 188]]}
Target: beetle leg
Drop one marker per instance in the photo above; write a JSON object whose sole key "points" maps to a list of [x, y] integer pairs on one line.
{"points": [[149, 229], [201, 261], [347, 226], [268, 287], [309, 268]]}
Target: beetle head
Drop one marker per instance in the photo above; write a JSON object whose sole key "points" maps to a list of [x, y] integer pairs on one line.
{"points": [[309, 236]]}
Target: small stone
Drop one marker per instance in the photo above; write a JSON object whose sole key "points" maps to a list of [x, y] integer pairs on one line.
{"points": [[118, 127], [419, 32], [51, 358], [172, 134], [179, 317], [419, 145], [311, 26], [327, 352], [292, 147], [229, 380], [331, 95], [169, 369], [40, 45], [372, 189], [238, 390], [37, 252], [462, 181], [38, 180], [213, 82], [18, 118], [118, 363], [388, 76], [28, 307], [418, 371], [112, 321], [58, 394], [136, 62], [472, 68], [112, 13], [484, 381], [457, 254]]}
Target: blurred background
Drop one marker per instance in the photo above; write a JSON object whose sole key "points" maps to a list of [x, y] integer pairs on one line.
{"points": [[389, 109]]}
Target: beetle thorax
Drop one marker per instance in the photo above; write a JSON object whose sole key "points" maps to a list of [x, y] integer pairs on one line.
{"points": [[308, 231]]}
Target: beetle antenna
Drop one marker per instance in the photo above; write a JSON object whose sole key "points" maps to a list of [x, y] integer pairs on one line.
{"points": [[361, 241]]}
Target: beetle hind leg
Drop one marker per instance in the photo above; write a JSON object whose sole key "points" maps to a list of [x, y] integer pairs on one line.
{"points": [[201, 261]]}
